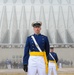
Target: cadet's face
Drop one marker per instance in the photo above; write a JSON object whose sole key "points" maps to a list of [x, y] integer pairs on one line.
{"points": [[51, 50], [37, 29]]}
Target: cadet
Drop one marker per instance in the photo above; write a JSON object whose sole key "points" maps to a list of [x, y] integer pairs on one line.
{"points": [[36, 51], [53, 59]]}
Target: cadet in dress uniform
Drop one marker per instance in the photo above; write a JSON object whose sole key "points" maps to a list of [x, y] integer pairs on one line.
{"points": [[36, 51], [53, 59]]}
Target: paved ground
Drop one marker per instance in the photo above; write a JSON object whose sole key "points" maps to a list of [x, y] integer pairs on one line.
{"points": [[63, 71]]}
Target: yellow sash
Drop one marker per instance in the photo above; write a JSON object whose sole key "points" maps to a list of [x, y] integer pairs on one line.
{"points": [[53, 61], [41, 54]]}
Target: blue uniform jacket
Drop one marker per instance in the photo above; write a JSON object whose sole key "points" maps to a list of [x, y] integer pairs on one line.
{"points": [[30, 46], [54, 55]]}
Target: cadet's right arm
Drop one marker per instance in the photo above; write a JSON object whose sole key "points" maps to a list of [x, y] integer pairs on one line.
{"points": [[26, 55]]}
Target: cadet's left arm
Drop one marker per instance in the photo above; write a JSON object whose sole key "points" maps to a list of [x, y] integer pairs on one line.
{"points": [[47, 47], [56, 58]]}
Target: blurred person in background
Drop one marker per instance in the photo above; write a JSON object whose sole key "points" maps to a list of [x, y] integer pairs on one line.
{"points": [[53, 59]]}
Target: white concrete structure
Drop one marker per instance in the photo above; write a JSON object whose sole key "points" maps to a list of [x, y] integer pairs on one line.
{"points": [[16, 17]]}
